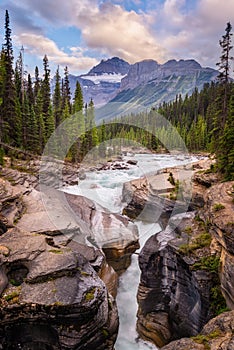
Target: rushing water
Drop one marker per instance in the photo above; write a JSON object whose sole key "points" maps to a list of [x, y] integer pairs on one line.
{"points": [[105, 187]]}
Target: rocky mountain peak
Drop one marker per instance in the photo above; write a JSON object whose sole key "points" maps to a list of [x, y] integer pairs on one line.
{"points": [[110, 66], [182, 64]]}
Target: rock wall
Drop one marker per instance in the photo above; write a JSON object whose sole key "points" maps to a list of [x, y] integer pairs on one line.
{"points": [[219, 212], [175, 292]]}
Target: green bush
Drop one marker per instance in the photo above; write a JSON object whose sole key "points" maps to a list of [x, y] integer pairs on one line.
{"points": [[210, 263], [1, 156], [201, 241], [218, 206]]}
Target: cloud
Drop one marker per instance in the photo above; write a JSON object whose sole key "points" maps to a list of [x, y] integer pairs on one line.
{"points": [[39, 45], [170, 29], [117, 32], [21, 19], [194, 32]]}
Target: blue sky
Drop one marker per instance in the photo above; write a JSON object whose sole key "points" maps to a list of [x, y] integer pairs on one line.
{"points": [[79, 33]]}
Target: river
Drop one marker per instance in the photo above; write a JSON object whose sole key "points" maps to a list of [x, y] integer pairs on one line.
{"points": [[105, 187]]}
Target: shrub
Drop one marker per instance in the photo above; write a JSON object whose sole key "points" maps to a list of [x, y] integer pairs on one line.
{"points": [[210, 263], [218, 206]]}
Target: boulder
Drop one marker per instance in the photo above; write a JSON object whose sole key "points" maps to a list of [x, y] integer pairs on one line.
{"points": [[144, 203], [115, 234]]}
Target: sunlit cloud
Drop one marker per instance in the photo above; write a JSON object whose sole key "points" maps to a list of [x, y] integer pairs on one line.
{"points": [[131, 29], [39, 45]]}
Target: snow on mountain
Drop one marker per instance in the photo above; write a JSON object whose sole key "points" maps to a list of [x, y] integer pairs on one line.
{"points": [[104, 77]]}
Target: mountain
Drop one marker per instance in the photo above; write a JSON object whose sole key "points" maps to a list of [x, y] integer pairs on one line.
{"points": [[102, 82], [113, 65], [148, 82], [116, 86]]}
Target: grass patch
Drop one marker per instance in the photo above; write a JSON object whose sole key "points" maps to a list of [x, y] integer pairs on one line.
{"points": [[201, 241], [210, 263], [188, 229], [217, 301], [14, 296], [90, 294], [218, 206], [204, 339], [56, 251], [105, 332]]}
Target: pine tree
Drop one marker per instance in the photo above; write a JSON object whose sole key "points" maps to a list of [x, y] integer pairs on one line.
{"points": [[66, 92], [38, 108], [46, 106], [76, 150], [226, 156], [57, 99], [224, 69], [11, 130], [19, 78], [36, 87], [78, 103]]}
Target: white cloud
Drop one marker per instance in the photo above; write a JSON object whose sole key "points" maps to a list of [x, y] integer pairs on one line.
{"points": [[172, 29], [39, 45], [194, 33], [117, 32]]}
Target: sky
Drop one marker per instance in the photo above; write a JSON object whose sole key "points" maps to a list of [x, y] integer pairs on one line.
{"points": [[79, 33]]}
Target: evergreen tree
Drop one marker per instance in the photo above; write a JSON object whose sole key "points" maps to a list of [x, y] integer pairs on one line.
{"points": [[46, 106], [38, 109], [11, 124], [66, 92], [224, 69], [2, 80], [19, 78], [57, 99], [77, 150], [36, 83], [226, 156], [78, 102]]}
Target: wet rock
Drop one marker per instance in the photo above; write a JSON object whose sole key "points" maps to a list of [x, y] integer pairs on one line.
{"points": [[115, 234], [132, 162], [146, 205]]}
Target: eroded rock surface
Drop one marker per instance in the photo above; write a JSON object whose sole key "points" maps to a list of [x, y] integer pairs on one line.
{"points": [[217, 334], [177, 281], [173, 301], [219, 211], [56, 293], [52, 296]]}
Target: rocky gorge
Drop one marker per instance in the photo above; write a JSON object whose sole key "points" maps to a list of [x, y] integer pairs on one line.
{"points": [[187, 278], [58, 290]]}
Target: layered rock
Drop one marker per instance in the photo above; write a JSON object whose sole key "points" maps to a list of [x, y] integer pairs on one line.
{"points": [[218, 210], [144, 199], [52, 296], [217, 334], [173, 300], [178, 277], [56, 293], [115, 234]]}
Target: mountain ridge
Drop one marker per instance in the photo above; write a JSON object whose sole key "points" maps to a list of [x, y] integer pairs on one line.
{"points": [[146, 82]]}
